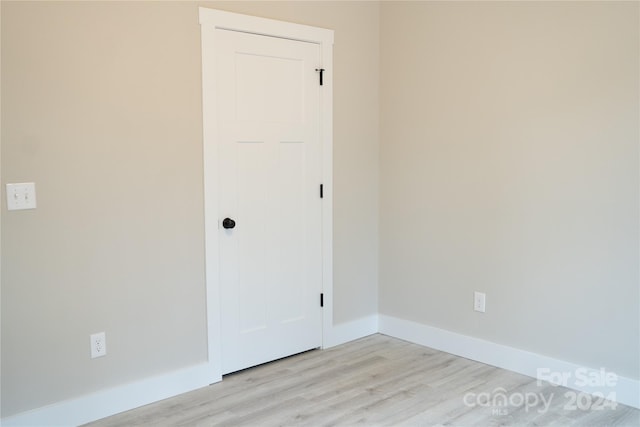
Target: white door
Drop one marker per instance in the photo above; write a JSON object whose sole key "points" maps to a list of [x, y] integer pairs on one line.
{"points": [[268, 125]]}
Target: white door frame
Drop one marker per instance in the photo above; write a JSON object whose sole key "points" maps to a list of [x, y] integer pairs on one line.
{"points": [[210, 20]]}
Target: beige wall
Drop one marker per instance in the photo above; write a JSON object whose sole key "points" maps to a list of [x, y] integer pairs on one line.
{"points": [[101, 107], [509, 165]]}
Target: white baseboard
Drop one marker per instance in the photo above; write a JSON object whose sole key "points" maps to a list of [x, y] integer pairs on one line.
{"points": [[112, 401], [626, 390], [345, 332], [129, 396]]}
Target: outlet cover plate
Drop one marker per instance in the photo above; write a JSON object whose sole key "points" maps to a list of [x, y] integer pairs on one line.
{"points": [[98, 344], [479, 300]]}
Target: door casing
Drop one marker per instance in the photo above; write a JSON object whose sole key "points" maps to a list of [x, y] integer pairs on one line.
{"points": [[210, 20]]}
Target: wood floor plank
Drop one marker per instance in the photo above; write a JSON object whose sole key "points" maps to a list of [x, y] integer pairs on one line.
{"points": [[374, 381]]}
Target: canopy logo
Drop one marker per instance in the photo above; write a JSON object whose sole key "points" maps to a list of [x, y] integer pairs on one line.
{"points": [[601, 381], [499, 401]]}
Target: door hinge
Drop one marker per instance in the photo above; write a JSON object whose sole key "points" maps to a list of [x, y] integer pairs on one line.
{"points": [[321, 300], [321, 71], [321, 191]]}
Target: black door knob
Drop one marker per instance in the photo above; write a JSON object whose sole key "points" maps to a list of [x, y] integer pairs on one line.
{"points": [[228, 223]]}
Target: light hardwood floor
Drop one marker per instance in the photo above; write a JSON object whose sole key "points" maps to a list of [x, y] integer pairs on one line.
{"points": [[374, 381]]}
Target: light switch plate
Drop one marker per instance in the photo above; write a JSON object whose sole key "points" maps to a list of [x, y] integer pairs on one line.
{"points": [[21, 196]]}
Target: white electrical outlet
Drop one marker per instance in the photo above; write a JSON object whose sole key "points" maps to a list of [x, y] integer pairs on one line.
{"points": [[21, 196], [98, 344], [479, 299]]}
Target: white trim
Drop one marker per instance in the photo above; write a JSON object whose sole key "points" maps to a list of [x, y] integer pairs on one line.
{"points": [[210, 20], [122, 398], [114, 400], [627, 391], [210, 158], [326, 131], [267, 27], [344, 332]]}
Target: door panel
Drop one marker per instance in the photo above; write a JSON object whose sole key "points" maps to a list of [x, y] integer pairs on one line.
{"points": [[269, 174]]}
